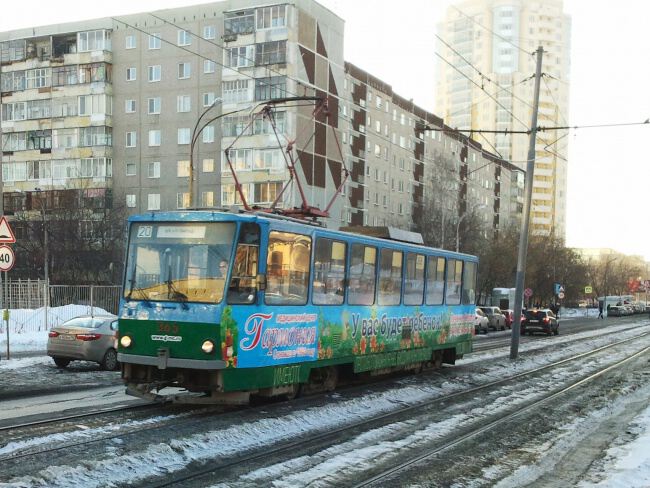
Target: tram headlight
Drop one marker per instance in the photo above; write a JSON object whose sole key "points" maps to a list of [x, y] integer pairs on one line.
{"points": [[125, 341], [207, 347]]}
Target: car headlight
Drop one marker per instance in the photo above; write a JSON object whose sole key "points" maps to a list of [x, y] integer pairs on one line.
{"points": [[207, 347], [125, 341]]}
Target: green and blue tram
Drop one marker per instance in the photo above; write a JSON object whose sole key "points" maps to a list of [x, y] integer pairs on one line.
{"points": [[234, 304]]}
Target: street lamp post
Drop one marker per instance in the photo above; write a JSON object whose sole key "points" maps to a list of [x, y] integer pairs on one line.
{"points": [[196, 132], [475, 207]]}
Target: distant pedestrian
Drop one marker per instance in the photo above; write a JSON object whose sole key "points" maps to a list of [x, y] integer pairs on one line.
{"points": [[600, 311]]}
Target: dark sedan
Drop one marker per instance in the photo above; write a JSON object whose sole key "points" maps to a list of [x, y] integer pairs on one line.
{"points": [[537, 320]]}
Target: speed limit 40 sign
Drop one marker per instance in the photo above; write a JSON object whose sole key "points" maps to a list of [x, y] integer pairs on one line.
{"points": [[7, 258]]}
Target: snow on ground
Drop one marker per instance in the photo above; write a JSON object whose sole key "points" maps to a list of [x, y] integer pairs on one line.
{"points": [[625, 463], [28, 329]]}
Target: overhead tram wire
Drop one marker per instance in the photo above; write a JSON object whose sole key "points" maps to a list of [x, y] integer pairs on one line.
{"points": [[482, 88], [492, 32], [539, 128], [224, 48], [525, 80], [546, 148], [502, 88], [190, 51]]}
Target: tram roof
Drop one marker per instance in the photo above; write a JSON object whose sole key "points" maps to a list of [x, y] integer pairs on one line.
{"points": [[377, 234]]}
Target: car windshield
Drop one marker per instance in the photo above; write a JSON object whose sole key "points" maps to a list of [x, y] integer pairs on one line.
{"points": [[178, 261]]}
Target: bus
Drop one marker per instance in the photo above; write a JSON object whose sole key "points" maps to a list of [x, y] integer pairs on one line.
{"points": [[226, 305]]}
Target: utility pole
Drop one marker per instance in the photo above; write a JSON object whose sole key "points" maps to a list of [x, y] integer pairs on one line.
{"points": [[523, 236]]}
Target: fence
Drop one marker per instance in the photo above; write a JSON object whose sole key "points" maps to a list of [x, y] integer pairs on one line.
{"points": [[35, 306]]}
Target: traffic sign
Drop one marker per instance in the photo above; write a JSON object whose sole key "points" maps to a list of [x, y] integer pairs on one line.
{"points": [[588, 289], [7, 258], [560, 295], [528, 293], [6, 234]]}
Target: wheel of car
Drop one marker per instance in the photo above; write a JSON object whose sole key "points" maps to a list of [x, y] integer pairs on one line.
{"points": [[61, 362], [109, 363]]}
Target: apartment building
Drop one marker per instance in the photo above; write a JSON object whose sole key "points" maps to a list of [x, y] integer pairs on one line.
{"points": [[413, 171], [485, 82], [136, 114]]}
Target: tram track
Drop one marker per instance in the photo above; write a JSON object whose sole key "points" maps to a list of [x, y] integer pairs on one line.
{"points": [[193, 423], [385, 476], [236, 466]]}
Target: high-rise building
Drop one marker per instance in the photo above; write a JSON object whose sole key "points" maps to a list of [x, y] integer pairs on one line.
{"points": [[125, 112], [485, 81]]}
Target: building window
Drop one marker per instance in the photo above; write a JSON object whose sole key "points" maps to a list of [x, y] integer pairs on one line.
{"points": [[273, 52], [183, 103], [183, 71], [208, 165], [242, 22], [270, 88], [129, 106], [208, 134], [242, 160], [130, 201], [182, 200], [154, 137], [37, 78], [235, 91], [184, 38], [131, 169], [207, 199], [155, 73], [208, 99], [153, 169], [154, 41], [131, 139], [209, 32], [183, 169], [130, 74], [240, 57], [153, 201], [130, 42], [98, 40], [270, 17], [209, 66], [153, 105], [184, 135]]}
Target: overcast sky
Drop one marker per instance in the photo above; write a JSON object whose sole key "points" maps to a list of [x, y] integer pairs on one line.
{"points": [[609, 169]]}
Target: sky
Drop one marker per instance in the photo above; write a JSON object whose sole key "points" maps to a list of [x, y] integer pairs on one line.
{"points": [[609, 172]]}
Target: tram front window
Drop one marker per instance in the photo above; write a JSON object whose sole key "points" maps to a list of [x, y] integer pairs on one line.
{"points": [[179, 261]]}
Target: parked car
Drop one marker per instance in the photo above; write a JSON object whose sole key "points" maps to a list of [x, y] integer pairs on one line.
{"points": [[86, 338], [480, 322], [540, 320], [615, 311], [496, 319], [510, 317]]}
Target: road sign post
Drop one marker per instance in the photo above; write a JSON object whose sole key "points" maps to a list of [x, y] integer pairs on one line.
{"points": [[7, 261]]}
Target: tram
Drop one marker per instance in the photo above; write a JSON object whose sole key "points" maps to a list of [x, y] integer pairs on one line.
{"points": [[225, 305]]}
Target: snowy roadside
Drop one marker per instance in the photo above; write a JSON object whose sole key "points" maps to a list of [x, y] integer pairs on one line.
{"points": [[171, 457]]}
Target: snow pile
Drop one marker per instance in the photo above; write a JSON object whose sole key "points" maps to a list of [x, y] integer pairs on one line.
{"points": [[28, 328]]}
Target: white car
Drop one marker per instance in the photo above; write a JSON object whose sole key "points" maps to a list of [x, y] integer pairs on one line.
{"points": [[480, 322]]}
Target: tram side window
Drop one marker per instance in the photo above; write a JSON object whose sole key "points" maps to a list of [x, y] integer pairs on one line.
{"points": [[363, 263], [243, 285], [469, 284], [454, 281], [329, 272], [435, 280], [287, 269], [390, 277], [414, 281]]}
